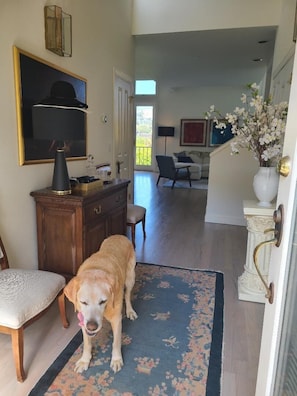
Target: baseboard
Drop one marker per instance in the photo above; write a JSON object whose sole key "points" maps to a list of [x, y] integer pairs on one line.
{"points": [[239, 221]]}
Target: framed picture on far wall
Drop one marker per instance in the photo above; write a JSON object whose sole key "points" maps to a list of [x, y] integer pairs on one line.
{"points": [[193, 132], [218, 136]]}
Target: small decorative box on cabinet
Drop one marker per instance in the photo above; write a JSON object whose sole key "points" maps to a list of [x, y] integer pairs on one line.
{"points": [[72, 227]]}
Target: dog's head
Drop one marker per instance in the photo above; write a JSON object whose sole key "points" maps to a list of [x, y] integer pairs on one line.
{"points": [[90, 292]]}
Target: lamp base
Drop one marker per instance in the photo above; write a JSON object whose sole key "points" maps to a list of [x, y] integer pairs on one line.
{"points": [[61, 184]]}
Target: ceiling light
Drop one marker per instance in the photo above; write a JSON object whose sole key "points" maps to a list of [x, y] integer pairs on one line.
{"points": [[258, 60]]}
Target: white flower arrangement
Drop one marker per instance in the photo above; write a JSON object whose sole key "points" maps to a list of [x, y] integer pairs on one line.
{"points": [[259, 126]]}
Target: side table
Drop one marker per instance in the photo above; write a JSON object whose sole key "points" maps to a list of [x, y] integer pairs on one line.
{"points": [[259, 219]]}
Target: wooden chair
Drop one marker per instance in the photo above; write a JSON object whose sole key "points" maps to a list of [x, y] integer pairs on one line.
{"points": [[169, 170], [135, 215], [24, 296]]}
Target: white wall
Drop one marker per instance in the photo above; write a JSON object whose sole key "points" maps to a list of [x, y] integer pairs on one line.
{"points": [[160, 16], [176, 104], [224, 203], [230, 182], [284, 46], [101, 32]]}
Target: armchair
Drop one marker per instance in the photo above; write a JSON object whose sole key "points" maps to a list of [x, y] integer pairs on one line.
{"points": [[24, 296], [169, 170]]}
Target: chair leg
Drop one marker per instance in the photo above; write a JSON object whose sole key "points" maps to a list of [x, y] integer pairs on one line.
{"points": [[189, 177], [133, 234], [143, 226], [17, 338], [158, 180], [62, 309], [175, 177]]}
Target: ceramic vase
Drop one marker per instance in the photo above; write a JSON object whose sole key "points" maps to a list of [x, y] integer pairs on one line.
{"points": [[266, 185]]}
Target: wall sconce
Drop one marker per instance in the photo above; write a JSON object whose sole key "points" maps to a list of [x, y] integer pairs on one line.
{"points": [[57, 31]]}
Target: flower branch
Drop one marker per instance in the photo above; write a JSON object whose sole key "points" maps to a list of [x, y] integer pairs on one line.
{"points": [[258, 126]]}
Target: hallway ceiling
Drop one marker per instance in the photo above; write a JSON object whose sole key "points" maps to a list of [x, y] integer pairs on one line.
{"points": [[205, 58]]}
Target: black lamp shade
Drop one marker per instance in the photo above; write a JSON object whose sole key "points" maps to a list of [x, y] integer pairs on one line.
{"points": [[60, 117], [57, 123], [165, 131]]}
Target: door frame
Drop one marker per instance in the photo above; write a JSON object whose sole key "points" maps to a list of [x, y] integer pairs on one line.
{"points": [[279, 263], [117, 74], [146, 100]]}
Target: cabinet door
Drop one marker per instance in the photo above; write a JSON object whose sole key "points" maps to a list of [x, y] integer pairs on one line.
{"points": [[58, 247], [94, 236], [117, 221]]}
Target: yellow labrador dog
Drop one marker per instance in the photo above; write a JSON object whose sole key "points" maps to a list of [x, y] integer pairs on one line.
{"points": [[98, 291]]}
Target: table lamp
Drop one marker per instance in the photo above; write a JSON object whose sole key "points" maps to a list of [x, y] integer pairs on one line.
{"points": [[60, 117], [165, 131]]}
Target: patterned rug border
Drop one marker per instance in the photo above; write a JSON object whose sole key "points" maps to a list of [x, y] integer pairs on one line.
{"points": [[213, 386]]}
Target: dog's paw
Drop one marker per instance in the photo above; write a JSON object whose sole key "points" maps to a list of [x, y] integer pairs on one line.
{"points": [[132, 315], [81, 365], [116, 364]]}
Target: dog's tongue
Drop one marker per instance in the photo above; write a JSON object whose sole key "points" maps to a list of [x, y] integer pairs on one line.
{"points": [[80, 318]]}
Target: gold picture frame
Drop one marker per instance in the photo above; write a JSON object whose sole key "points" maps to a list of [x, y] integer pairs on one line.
{"points": [[33, 80], [295, 25]]}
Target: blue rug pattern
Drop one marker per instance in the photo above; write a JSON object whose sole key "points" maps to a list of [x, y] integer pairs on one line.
{"points": [[173, 348]]}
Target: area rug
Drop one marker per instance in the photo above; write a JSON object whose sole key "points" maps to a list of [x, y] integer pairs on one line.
{"points": [[201, 184], [173, 348]]}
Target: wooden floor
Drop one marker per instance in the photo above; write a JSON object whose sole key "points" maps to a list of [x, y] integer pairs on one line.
{"points": [[176, 236]]}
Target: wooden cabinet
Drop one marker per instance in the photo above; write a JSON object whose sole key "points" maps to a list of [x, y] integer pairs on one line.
{"points": [[72, 227]]}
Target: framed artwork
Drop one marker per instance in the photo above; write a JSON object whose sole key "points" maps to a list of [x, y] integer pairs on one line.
{"points": [[218, 136], [193, 132], [34, 78]]}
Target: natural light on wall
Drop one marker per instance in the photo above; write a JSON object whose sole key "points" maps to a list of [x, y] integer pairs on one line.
{"points": [[145, 87]]}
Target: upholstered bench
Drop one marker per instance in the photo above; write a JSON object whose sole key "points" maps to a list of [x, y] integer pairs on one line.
{"points": [[24, 296]]}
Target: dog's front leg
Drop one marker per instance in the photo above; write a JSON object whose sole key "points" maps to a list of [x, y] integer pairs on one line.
{"points": [[116, 357], [83, 363]]}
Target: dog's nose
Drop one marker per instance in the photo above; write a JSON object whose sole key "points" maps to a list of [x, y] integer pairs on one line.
{"points": [[92, 325]]}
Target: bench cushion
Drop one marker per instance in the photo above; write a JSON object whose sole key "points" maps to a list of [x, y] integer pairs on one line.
{"points": [[135, 213], [26, 293]]}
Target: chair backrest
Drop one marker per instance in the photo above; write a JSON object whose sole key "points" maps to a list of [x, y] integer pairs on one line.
{"points": [[166, 166], [3, 256]]}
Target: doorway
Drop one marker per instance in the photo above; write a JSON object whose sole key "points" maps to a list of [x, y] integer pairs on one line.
{"points": [[123, 159], [144, 137]]}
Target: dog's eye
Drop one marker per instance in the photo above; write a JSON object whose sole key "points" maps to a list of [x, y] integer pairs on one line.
{"points": [[84, 303], [102, 302]]}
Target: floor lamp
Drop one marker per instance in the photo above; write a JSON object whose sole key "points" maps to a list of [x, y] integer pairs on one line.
{"points": [[165, 131], [59, 118]]}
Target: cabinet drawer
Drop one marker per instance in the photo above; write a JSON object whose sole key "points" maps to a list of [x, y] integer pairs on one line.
{"points": [[96, 209]]}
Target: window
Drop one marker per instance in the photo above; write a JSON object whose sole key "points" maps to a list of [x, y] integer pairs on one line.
{"points": [[144, 135], [145, 91], [145, 87]]}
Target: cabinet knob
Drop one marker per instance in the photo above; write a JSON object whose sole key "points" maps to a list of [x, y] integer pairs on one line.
{"points": [[97, 210]]}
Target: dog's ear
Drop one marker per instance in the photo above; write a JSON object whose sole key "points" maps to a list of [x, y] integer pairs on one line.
{"points": [[112, 288], [70, 291]]}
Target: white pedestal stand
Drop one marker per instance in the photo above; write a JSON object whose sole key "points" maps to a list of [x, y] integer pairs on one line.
{"points": [[259, 219]]}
